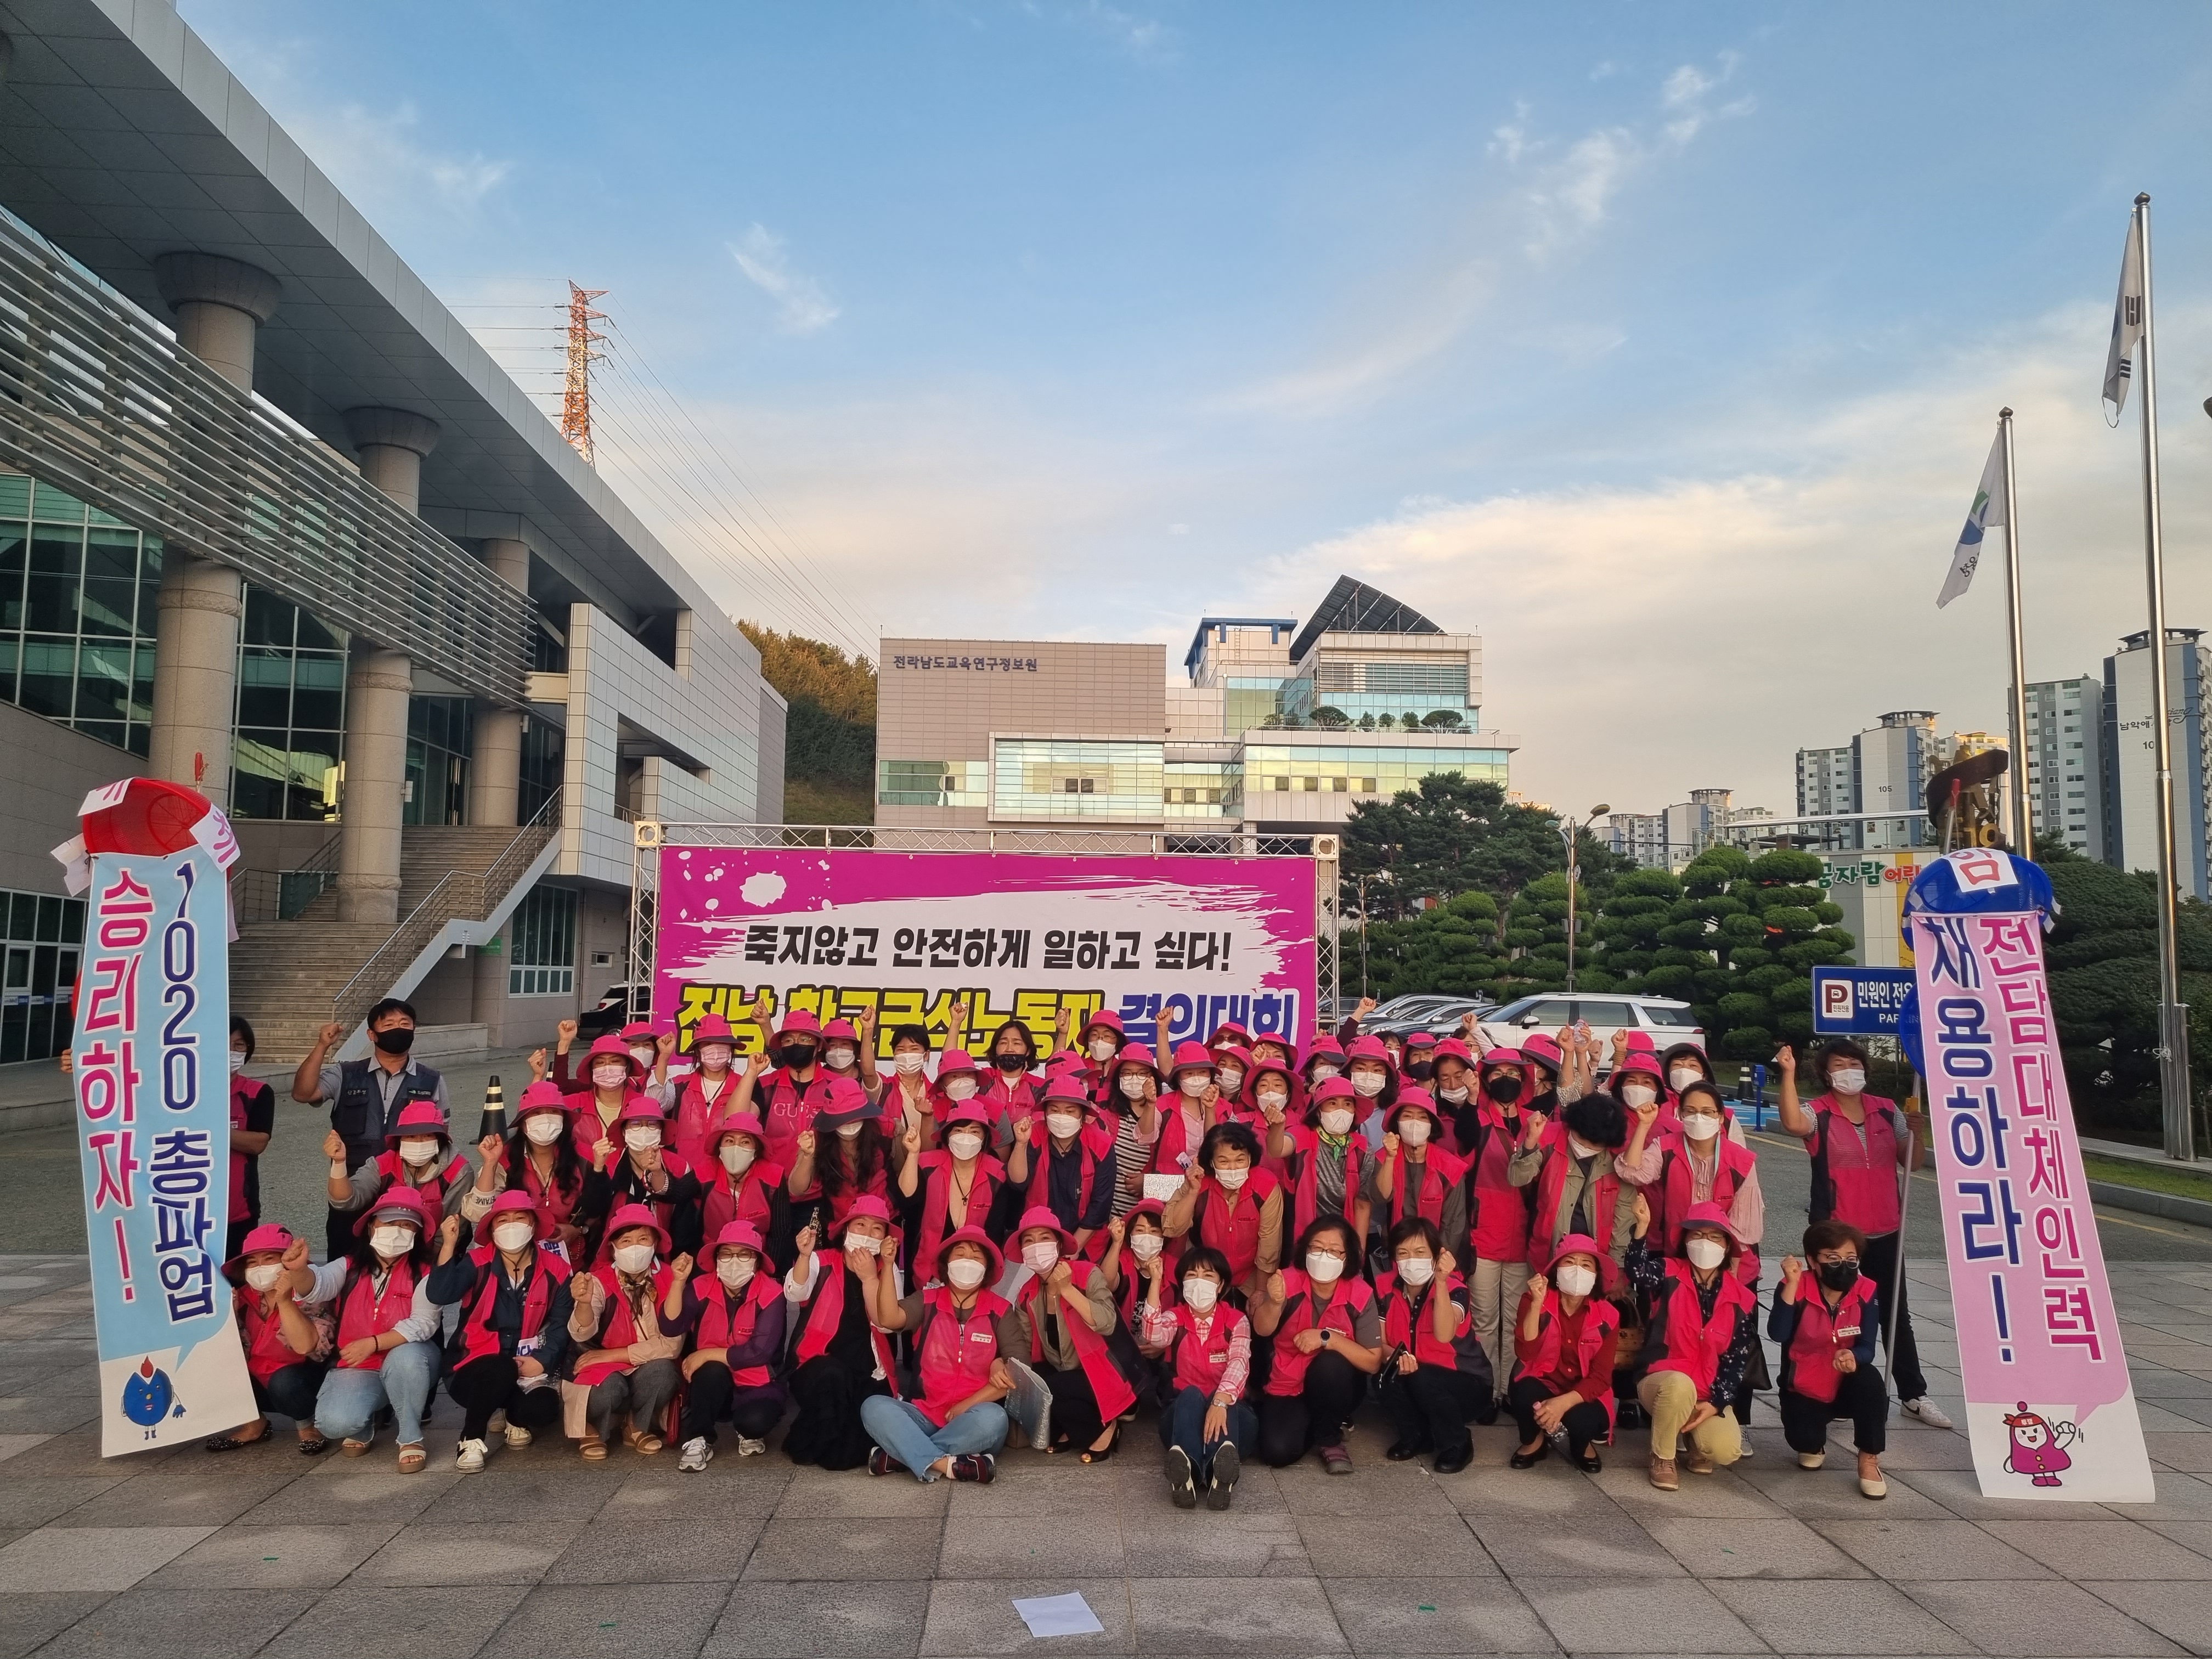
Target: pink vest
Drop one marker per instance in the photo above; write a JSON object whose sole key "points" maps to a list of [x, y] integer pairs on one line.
{"points": [[1432, 1178], [267, 1352], [1305, 1147], [621, 1328], [1108, 1386], [1808, 1365], [241, 1089], [1200, 1357], [935, 1174], [1400, 1323], [957, 1349], [1500, 1209], [696, 1114], [787, 1108], [1603, 1196], [478, 1339], [1287, 1375], [362, 1312], [1695, 1344], [1233, 1228], [722, 1326], [825, 1311], [1600, 1320], [753, 1201], [1862, 1184]]}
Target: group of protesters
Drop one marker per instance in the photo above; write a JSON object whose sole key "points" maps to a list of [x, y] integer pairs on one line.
{"points": [[900, 1253]]}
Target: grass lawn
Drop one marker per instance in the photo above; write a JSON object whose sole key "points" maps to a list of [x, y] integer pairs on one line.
{"points": [[2149, 1177]]}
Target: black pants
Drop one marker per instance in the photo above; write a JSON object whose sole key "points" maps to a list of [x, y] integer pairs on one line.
{"points": [[1076, 1418], [337, 1233], [1292, 1425], [713, 1395], [643, 1395], [291, 1392], [1584, 1424], [827, 1430], [1859, 1396], [1431, 1405], [481, 1387], [1878, 1261]]}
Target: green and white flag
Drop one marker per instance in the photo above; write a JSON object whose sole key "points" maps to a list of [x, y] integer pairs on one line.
{"points": [[1988, 509], [2127, 326]]}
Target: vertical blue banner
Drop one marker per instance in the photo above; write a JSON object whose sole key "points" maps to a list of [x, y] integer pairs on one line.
{"points": [[153, 1112]]}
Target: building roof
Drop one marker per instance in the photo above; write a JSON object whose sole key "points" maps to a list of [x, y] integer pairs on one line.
{"points": [[1274, 625], [124, 137], [1353, 607]]}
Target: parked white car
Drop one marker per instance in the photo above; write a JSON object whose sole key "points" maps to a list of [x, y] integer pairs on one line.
{"points": [[1664, 1020]]}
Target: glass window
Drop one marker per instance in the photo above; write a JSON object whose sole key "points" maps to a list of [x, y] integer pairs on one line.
{"points": [[1049, 780], [291, 713], [541, 943], [439, 732], [38, 936]]}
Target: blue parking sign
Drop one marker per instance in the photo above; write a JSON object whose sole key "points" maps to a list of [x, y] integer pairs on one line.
{"points": [[1859, 1001]]}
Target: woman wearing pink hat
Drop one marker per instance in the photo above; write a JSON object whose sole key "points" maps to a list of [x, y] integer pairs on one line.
{"points": [[786, 1096], [612, 1078], [540, 1160], [1565, 1343], [954, 1425], [505, 1352], [1206, 1345], [839, 1357], [1697, 1341], [1127, 1098], [1192, 1104], [281, 1341], [417, 1154], [1416, 1174], [707, 1093], [1063, 1316], [387, 1325], [647, 1045], [1229, 1203], [1064, 1160], [742, 1185], [942, 1192], [1324, 1060], [736, 1319], [844, 1154], [1326, 1162], [646, 1172], [1488, 1125], [627, 1327]]}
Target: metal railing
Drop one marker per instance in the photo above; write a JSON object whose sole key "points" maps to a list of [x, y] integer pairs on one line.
{"points": [[97, 398], [263, 896]]}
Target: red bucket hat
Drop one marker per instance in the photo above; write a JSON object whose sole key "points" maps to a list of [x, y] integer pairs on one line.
{"points": [[1104, 1020], [846, 1102], [1191, 1056], [636, 1215], [398, 1201], [1135, 1054], [1331, 1089], [1039, 1215], [1710, 1214], [515, 1201], [957, 1062], [868, 1207], [641, 1108], [1419, 1099], [614, 1048], [1367, 1047], [1583, 1244], [994, 1260], [744, 1235], [1544, 1051], [547, 1096], [1325, 1047], [640, 1031], [967, 1111], [737, 1123], [269, 1235], [798, 1022], [712, 1028], [416, 1118]]}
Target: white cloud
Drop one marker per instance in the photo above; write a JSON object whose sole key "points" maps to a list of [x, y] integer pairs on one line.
{"points": [[801, 305], [378, 158], [1178, 530]]}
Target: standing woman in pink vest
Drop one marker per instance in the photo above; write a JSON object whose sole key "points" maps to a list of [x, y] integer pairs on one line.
{"points": [[540, 1160], [1698, 1342], [387, 1326], [733, 1320], [1564, 1348], [953, 1424], [512, 1333], [838, 1356], [266, 1275], [1064, 1160], [1487, 1127], [1416, 1174], [253, 1120], [627, 1327], [612, 1078], [417, 1154], [1206, 1345], [707, 1093], [1325, 1340], [1326, 1162], [1858, 1147], [786, 1099], [1823, 1318], [1063, 1316]]}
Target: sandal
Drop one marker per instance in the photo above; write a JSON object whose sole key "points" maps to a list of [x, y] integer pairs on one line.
{"points": [[1100, 1454], [412, 1459], [593, 1448], [353, 1448], [647, 1444], [314, 1448], [231, 1442]]}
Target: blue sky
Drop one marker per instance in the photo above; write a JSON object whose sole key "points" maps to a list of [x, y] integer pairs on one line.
{"points": [[1660, 343]]}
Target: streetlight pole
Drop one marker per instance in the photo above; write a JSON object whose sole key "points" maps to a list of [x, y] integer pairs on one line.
{"points": [[1572, 833]]}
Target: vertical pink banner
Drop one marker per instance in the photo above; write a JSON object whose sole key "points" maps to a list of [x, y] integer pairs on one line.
{"points": [[2050, 1408]]}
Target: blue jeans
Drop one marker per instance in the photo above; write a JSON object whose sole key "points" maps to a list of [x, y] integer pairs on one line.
{"points": [[902, 1432], [349, 1398], [1183, 1424]]}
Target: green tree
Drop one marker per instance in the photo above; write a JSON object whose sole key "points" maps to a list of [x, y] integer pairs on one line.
{"points": [[830, 736]]}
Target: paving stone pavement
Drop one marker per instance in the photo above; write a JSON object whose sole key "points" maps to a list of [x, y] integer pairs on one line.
{"points": [[263, 1552]]}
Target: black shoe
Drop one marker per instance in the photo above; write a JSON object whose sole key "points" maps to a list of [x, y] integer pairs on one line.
{"points": [[1182, 1486], [1528, 1460], [1452, 1463], [1405, 1451], [882, 1462], [1590, 1461], [978, 1468], [1221, 1478]]}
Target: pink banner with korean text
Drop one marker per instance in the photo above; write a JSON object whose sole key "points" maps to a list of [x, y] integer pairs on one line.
{"points": [[1024, 936], [2051, 1410]]}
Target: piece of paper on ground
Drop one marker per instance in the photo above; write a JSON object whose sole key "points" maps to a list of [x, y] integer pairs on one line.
{"points": [[1059, 1615]]}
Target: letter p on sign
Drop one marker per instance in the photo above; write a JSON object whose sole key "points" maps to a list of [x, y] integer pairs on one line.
{"points": [[1836, 999]]}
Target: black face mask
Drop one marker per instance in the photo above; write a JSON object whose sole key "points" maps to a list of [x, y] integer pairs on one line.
{"points": [[796, 1056], [395, 1041], [1839, 1276], [1013, 1062], [1503, 1090], [1418, 1070]]}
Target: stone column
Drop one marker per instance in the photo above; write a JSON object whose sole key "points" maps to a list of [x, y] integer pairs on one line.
{"points": [[219, 304], [496, 768], [392, 443]]}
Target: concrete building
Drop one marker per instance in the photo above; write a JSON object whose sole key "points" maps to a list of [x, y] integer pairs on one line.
{"points": [[1278, 729], [2066, 763], [1668, 839], [273, 523], [1885, 769], [2130, 769]]}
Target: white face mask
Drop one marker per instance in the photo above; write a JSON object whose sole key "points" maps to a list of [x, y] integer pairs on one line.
{"points": [[848, 1131], [421, 1151], [1455, 1097], [1576, 1279], [1336, 1120], [964, 1145], [544, 1128], [911, 1061], [1323, 1268], [1062, 1125], [715, 1057], [633, 1259], [737, 1156], [264, 1276], [644, 1055], [1413, 1130], [1133, 1086], [1700, 1125], [1370, 1084], [1103, 1050], [391, 1242], [1681, 1077], [641, 1137], [1231, 1080], [838, 1058], [515, 1237], [1041, 1258], [1201, 1294], [1145, 1246], [1231, 1180], [1323, 1070], [1275, 1100], [237, 1062], [865, 1244], [609, 1076], [1706, 1253], [1847, 1081], [1416, 1269], [961, 1088], [1192, 1085], [963, 1273], [1578, 1146], [735, 1271], [1633, 1095]]}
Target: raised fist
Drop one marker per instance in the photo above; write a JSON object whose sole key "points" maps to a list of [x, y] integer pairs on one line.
{"points": [[1785, 1058], [806, 1142], [334, 1146], [1643, 1215], [1537, 1286], [1024, 1128], [1446, 1267], [681, 1267], [566, 1030], [330, 1034], [805, 1243]]}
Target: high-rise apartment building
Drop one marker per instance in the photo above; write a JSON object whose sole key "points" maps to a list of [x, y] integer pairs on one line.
{"points": [[2066, 763], [2131, 782]]}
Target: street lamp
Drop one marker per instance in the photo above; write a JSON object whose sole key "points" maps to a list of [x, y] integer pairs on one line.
{"points": [[1570, 832]]}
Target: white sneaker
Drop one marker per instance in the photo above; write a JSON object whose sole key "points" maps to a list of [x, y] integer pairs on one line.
{"points": [[517, 1437], [469, 1456], [1811, 1459], [1927, 1411], [697, 1454], [497, 1420], [751, 1447]]}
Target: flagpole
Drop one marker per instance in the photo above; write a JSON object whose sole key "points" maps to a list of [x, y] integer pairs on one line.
{"points": [[2172, 1015], [2023, 827]]}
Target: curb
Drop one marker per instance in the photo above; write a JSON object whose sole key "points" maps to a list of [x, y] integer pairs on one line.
{"points": [[2194, 1211]]}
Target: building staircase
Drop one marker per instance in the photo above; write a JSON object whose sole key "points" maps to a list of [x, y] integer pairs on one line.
{"points": [[292, 975]]}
